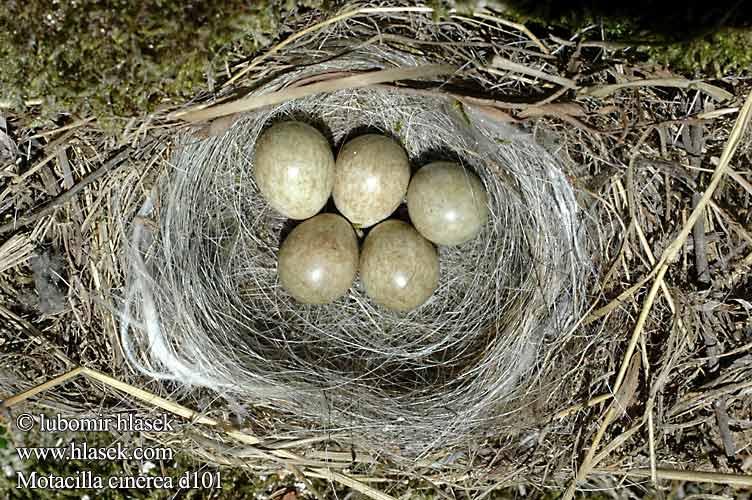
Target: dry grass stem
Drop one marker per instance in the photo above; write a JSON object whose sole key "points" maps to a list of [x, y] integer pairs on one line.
{"points": [[712, 90], [318, 26], [349, 82], [499, 62], [688, 475]]}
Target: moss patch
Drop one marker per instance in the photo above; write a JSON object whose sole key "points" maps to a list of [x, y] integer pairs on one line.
{"points": [[118, 57], [723, 53], [122, 58]]}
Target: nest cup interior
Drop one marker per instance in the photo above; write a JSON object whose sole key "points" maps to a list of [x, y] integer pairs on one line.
{"points": [[210, 311]]}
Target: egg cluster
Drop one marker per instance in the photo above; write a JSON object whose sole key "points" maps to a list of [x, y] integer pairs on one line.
{"points": [[295, 170]]}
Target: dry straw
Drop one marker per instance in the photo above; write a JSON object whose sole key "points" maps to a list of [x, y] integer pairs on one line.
{"points": [[204, 306]]}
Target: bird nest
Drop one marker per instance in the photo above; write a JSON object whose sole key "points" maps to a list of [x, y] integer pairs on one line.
{"points": [[584, 299], [204, 282]]}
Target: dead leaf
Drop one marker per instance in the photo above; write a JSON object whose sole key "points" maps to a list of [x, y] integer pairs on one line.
{"points": [[562, 108], [625, 396], [493, 113]]}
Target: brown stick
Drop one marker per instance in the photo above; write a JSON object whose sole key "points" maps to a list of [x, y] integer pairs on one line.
{"points": [[692, 137]]}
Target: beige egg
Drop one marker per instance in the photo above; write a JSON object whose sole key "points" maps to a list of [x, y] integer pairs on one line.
{"points": [[447, 203], [318, 259], [372, 173], [398, 267], [294, 169]]}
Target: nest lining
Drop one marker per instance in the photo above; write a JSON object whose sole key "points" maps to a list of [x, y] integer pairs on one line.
{"points": [[204, 306]]}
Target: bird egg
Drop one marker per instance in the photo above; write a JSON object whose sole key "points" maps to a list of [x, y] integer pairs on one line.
{"points": [[398, 267], [372, 173], [319, 259], [294, 169], [447, 203]]}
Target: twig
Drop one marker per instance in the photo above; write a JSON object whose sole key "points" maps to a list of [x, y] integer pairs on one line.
{"points": [[36, 168], [664, 372], [148, 397], [552, 97], [75, 124], [580, 406], [694, 141], [619, 299], [141, 394], [30, 393], [707, 115], [741, 181], [651, 259], [598, 44], [719, 405]]}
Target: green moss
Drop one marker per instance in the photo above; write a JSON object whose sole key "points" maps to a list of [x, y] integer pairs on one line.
{"points": [[723, 53], [118, 57]]}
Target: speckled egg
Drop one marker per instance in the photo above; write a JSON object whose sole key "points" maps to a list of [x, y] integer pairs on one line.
{"points": [[372, 173], [447, 203], [294, 169], [319, 259], [398, 267]]}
